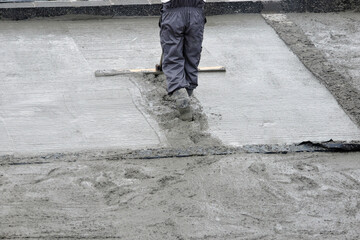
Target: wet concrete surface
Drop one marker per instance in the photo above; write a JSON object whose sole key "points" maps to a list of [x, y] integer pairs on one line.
{"points": [[330, 55], [66, 170], [51, 101], [267, 86], [244, 196], [341, 45]]}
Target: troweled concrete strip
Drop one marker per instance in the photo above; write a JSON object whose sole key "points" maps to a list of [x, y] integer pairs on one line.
{"points": [[267, 95], [50, 100]]}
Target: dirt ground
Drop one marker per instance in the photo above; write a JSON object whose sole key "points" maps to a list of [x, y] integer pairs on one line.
{"points": [[238, 196]]}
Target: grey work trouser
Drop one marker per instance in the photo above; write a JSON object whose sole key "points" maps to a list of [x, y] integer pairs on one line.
{"points": [[181, 35]]}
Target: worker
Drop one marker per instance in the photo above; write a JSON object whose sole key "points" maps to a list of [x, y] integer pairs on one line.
{"points": [[181, 36]]}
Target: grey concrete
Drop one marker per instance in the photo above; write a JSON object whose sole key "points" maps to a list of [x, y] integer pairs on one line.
{"points": [[267, 95], [50, 100], [246, 196], [331, 74]]}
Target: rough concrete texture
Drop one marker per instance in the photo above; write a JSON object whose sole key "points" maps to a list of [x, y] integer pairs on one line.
{"points": [[179, 133], [330, 73], [330, 6], [51, 101], [319, 5], [337, 35], [294, 196]]}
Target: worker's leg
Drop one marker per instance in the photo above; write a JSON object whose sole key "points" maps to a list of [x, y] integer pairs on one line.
{"points": [[172, 42], [193, 39]]}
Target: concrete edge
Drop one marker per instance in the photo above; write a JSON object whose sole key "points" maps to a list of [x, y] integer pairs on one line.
{"points": [[117, 155]]}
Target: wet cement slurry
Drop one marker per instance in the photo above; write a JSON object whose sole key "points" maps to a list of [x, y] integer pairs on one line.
{"points": [[245, 196], [51, 101]]}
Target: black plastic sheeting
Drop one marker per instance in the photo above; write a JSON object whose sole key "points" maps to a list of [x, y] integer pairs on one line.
{"points": [[308, 146], [329, 146], [332, 146]]}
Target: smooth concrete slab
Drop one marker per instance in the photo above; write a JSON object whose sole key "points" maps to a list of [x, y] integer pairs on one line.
{"points": [[267, 95], [51, 101]]}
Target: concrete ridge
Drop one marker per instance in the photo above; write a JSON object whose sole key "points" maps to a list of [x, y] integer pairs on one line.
{"points": [[114, 155]]}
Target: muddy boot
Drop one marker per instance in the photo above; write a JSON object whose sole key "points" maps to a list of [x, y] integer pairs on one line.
{"points": [[190, 92], [182, 101], [186, 114]]}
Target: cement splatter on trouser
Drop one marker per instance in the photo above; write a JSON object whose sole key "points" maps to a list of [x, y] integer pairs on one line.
{"points": [[181, 35]]}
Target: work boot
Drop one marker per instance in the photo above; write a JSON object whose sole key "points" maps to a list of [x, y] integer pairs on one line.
{"points": [[186, 114], [190, 92], [182, 102]]}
